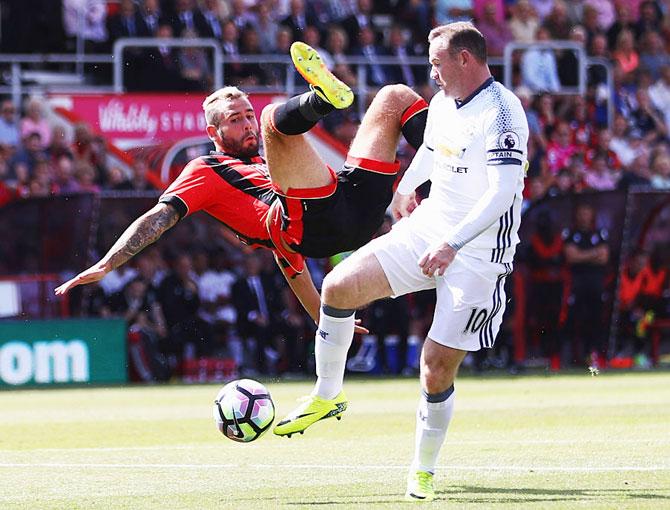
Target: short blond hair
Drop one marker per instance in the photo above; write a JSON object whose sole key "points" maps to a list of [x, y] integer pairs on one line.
{"points": [[461, 35], [213, 103]]}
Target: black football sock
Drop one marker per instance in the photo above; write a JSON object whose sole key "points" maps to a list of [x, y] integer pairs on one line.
{"points": [[413, 123], [300, 113]]}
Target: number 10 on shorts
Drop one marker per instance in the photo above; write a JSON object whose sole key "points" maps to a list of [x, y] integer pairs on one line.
{"points": [[476, 320]]}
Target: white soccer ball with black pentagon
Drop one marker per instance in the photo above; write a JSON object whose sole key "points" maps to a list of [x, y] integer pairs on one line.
{"points": [[243, 410]]}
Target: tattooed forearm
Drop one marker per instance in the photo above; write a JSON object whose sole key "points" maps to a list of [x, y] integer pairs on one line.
{"points": [[141, 233]]}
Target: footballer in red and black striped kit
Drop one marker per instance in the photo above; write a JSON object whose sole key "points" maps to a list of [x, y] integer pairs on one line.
{"points": [[290, 201]]}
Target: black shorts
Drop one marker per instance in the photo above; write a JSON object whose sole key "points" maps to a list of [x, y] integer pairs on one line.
{"points": [[342, 216]]}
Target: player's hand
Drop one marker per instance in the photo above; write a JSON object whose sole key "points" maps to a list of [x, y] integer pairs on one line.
{"points": [[403, 205], [92, 274], [360, 330], [436, 260]]}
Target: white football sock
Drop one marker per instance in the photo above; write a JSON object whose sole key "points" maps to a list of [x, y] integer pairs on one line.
{"points": [[432, 420], [333, 339]]}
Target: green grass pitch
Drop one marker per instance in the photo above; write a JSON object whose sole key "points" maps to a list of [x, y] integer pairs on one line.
{"points": [[567, 441]]}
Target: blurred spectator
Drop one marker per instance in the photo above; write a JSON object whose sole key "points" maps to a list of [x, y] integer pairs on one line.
{"points": [[64, 181], [557, 22], [9, 128], [232, 71], [568, 60], [566, 182], [127, 22], [299, 19], [647, 119], [22, 163], [40, 183], [581, 123], [313, 38], [649, 20], [267, 28], [292, 348], [277, 72], [86, 177], [604, 10], [599, 176], [660, 167], [337, 45], [215, 282], [590, 21], [547, 285], [538, 66], [542, 8], [162, 71], [587, 254], [116, 280], [86, 19], [194, 65], [403, 72], [620, 142], [150, 12], [448, 11], [361, 19], [241, 15], [147, 331], [209, 20], [560, 149], [653, 56], [252, 74], [624, 21], [642, 283], [602, 148], [546, 114], [376, 75], [523, 24], [495, 31], [251, 294], [638, 173], [416, 15], [34, 122], [178, 296], [117, 179], [534, 126], [60, 143], [625, 55], [659, 93], [184, 17]]}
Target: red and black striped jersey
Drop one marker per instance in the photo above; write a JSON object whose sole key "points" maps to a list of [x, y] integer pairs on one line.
{"points": [[237, 192]]}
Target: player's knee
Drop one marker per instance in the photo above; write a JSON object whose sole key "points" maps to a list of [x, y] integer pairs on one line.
{"points": [[436, 374], [267, 120], [337, 290], [394, 95]]}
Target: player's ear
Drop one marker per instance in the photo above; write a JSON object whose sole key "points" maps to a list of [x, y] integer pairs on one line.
{"points": [[212, 132]]}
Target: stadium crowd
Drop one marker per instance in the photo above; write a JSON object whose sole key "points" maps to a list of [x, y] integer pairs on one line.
{"points": [[234, 300]]}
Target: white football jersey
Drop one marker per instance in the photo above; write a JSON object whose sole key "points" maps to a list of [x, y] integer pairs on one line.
{"points": [[487, 128]]}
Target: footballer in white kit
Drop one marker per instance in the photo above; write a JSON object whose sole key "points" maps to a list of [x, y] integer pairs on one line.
{"points": [[474, 153]]}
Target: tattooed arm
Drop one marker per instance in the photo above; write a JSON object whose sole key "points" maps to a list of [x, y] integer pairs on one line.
{"points": [[141, 233]]}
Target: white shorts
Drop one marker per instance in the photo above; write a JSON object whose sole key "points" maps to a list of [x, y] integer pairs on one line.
{"points": [[470, 294]]}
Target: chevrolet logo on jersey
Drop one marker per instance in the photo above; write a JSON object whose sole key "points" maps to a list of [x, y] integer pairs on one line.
{"points": [[449, 151]]}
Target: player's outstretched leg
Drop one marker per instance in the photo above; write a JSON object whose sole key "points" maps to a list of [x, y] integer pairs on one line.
{"points": [[327, 86], [312, 410]]}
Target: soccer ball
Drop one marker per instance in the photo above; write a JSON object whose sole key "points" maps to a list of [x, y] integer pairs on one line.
{"points": [[243, 410]]}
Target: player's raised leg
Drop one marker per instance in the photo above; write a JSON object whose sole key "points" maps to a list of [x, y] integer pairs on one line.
{"points": [[292, 161], [395, 109]]}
